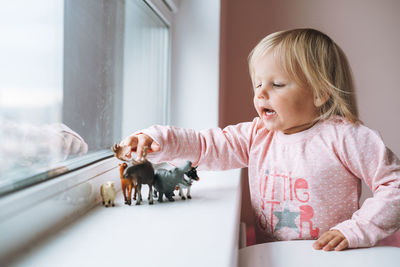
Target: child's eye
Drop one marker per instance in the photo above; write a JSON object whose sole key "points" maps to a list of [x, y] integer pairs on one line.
{"points": [[258, 86], [278, 85]]}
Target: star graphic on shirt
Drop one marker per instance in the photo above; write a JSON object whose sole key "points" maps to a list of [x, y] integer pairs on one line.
{"points": [[286, 218]]}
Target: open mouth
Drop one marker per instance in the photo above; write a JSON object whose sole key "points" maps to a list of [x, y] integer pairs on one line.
{"points": [[269, 112]]}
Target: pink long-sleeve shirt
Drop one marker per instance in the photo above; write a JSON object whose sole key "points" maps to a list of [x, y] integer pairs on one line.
{"points": [[302, 184]]}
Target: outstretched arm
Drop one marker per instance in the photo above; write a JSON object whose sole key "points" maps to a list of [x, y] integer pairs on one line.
{"points": [[212, 149]]}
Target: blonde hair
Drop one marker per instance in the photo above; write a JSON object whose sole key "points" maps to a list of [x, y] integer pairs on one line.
{"points": [[313, 60]]}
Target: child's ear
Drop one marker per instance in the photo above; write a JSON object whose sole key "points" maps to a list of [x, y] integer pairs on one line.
{"points": [[320, 100]]}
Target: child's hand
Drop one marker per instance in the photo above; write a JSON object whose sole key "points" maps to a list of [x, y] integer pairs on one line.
{"points": [[138, 142], [331, 240]]}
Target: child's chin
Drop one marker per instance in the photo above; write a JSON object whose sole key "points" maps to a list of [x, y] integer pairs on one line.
{"points": [[269, 126]]}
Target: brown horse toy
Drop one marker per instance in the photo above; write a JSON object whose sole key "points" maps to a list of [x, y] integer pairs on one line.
{"points": [[126, 184], [140, 172]]}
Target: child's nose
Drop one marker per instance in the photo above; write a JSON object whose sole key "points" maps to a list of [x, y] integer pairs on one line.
{"points": [[261, 94]]}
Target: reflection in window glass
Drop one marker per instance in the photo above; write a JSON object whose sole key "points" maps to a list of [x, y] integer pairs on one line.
{"points": [[76, 76], [30, 84]]}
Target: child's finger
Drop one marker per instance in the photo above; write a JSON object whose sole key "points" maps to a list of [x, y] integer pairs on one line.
{"points": [[343, 245], [143, 141], [131, 140], [322, 241], [333, 243], [155, 147]]}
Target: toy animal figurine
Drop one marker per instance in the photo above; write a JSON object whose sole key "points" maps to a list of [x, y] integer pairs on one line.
{"points": [[120, 152], [126, 185], [165, 181], [108, 193], [192, 174], [141, 172]]}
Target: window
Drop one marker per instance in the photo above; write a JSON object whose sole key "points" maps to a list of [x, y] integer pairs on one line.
{"points": [[77, 76], [146, 44]]}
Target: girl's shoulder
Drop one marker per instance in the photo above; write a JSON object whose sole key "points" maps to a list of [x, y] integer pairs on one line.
{"points": [[345, 129]]}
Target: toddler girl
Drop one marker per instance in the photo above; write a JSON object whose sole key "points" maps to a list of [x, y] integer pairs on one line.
{"points": [[307, 152]]}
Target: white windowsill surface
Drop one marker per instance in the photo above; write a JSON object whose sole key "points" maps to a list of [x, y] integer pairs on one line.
{"points": [[203, 231]]}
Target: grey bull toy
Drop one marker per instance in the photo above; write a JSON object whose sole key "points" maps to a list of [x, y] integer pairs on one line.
{"points": [[165, 181], [192, 175]]}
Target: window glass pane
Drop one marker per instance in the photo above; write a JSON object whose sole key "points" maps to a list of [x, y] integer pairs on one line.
{"points": [[77, 76], [31, 65], [145, 52], [93, 56]]}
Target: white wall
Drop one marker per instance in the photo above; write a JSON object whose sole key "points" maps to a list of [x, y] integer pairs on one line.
{"points": [[195, 64]]}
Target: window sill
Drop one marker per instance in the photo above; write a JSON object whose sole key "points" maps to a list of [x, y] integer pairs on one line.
{"points": [[28, 215], [203, 231]]}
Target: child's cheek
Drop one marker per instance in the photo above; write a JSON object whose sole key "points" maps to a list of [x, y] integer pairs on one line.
{"points": [[256, 105]]}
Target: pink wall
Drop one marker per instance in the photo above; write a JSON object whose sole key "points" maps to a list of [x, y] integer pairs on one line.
{"points": [[367, 30]]}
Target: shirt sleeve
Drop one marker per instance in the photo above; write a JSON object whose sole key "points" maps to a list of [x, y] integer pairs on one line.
{"points": [[210, 149], [366, 156]]}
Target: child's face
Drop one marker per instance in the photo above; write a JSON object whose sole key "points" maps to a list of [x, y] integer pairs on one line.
{"points": [[282, 104]]}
